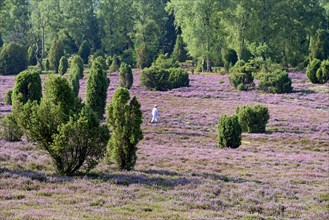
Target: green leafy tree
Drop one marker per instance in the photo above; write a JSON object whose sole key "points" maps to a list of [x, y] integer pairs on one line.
{"points": [[179, 54], [97, 85], [229, 132], [56, 51], [126, 76], [63, 65], [13, 59], [124, 120], [253, 119]]}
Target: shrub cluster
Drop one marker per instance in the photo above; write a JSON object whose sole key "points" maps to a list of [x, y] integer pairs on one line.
{"points": [[164, 74], [317, 71], [253, 119], [276, 82], [13, 59], [229, 132], [241, 76], [77, 62], [63, 65]]}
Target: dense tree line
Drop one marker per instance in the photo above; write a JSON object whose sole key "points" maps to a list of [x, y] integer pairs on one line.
{"points": [[141, 29]]}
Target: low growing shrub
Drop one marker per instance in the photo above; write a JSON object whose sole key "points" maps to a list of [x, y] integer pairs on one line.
{"points": [[8, 99], [13, 59], [9, 129], [322, 74], [155, 78], [276, 82], [241, 76], [253, 119], [178, 77], [229, 132]]}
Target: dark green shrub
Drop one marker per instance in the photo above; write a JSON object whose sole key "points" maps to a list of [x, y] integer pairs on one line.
{"points": [[115, 65], [77, 60], [80, 143], [27, 87], [74, 79], [165, 62], [311, 70], [126, 76], [99, 53], [319, 45], [63, 65], [124, 120], [178, 77], [9, 129], [155, 78], [59, 92], [13, 59], [230, 58], [229, 132], [241, 76], [102, 62], [253, 119], [84, 51], [322, 74], [56, 51], [8, 99], [32, 60], [179, 53], [143, 56], [97, 85], [276, 82]]}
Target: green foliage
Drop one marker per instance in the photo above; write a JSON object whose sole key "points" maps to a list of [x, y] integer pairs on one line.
{"points": [[9, 129], [101, 60], [241, 76], [124, 119], [143, 56], [311, 70], [165, 62], [319, 45], [59, 92], [229, 132], [63, 65], [27, 87], [155, 78], [31, 56], [115, 65], [56, 51], [178, 77], [253, 119], [276, 82], [13, 59], [129, 57], [179, 54], [74, 76], [126, 76], [97, 85], [8, 97], [77, 60], [322, 74], [84, 51], [47, 64], [230, 58], [80, 143]]}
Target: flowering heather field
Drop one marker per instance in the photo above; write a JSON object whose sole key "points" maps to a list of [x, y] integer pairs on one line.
{"points": [[180, 174]]}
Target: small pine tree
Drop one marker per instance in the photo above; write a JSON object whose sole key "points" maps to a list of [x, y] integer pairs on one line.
{"points": [[27, 87], [97, 85], [84, 51], [56, 51], [115, 65], [126, 76], [179, 54], [322, 74], [229, 132], [311, 70], [8, 99], [74, 79], [63, 65], [13, 59], [124, 119], [77, 60]]}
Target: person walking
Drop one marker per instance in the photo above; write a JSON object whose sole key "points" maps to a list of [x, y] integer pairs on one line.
{"points": [[155, 114]]}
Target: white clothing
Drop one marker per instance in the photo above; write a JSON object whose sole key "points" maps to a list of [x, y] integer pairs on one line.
{"points": [[155, 114]]}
